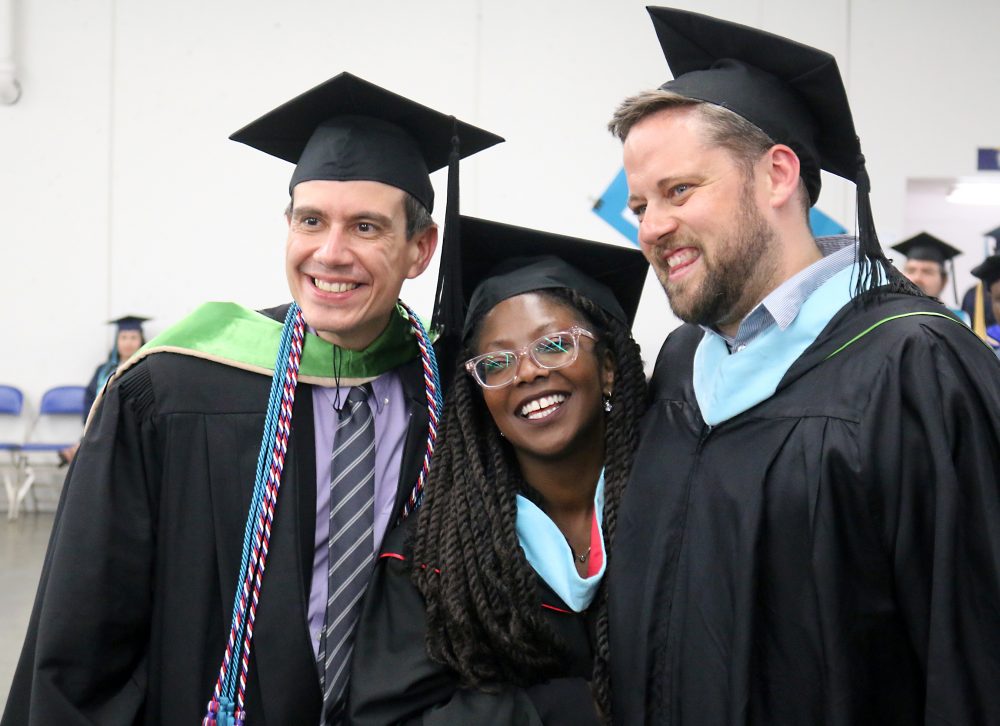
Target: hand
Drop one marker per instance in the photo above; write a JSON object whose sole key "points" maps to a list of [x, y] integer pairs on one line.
{"points": [[66, 455]]}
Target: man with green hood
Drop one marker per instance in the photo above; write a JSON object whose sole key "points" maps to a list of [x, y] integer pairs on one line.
{"points": [[153, 605]]}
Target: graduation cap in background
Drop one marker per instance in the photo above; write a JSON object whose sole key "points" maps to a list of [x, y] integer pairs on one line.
{"points": [[500, 261], [792, 92], [927, 247], [347, 129], [995, 234], [128, 322], [988, 271]]}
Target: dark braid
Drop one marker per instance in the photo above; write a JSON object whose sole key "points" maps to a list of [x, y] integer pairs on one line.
{"points": [[621, 439], [482, 611], [483, 614]]}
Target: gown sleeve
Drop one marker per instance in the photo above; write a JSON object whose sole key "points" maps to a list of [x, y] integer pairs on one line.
{"points": [[83, 659], [933, 432], [393, 681]]}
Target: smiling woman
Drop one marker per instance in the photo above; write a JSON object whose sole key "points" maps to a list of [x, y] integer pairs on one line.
{"points": [[494, 598], [549, 404]]}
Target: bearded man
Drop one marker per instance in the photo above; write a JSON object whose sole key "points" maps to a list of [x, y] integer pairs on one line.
{"points": [[809, 534]]}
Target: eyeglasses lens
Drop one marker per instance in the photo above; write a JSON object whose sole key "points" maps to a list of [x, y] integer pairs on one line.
{"points": [[496, 369], [549, 351], [553, 351]]}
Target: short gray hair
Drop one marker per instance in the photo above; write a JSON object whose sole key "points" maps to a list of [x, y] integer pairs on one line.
{"points": [[418, 219]]}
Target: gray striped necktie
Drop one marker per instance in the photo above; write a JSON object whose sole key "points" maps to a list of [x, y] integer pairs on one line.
{"points": [[352, 521]]}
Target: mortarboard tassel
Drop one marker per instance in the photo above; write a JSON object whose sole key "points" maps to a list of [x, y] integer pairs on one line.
{"points": [[979, 313], [227, 705], [874, 268], [449, 314]]}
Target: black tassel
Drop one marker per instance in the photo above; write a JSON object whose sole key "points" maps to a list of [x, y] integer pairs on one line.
{"points": [[874, 268], [449, 304]]}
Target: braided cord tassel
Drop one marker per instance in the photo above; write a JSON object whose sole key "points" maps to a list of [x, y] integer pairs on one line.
{"points": [[227, 707], [432, 388], [254, 526], [271, 499], [223, 709]]}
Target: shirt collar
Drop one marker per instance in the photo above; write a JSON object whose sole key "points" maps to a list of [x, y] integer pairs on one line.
{"points": [[782, 305], [379, 397]]}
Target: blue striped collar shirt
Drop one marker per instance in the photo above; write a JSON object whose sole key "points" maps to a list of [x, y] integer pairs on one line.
{"points": [[784, 302]]}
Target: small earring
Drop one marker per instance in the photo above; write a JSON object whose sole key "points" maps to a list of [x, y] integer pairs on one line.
{"points": [[502, 434], [607, 403]]}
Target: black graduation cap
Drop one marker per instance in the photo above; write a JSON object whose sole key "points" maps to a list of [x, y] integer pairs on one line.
{"points": [[792, 92], [347, 129], [129, 322], [500, 261], [927, 247], [989, 270], [995, 234]]}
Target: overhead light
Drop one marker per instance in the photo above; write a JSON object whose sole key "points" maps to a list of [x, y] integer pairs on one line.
{"points": [[981, 190]]}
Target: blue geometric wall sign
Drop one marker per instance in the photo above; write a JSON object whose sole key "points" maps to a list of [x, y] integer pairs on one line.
{"points": [[612, 207], [824, 226]]}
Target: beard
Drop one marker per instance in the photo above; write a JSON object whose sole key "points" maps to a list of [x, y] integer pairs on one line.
{"points": [[735, 275]]}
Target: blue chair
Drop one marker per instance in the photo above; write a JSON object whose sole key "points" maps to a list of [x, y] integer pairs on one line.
{"points": [[57, 427], [11, 439], [11, 400]]}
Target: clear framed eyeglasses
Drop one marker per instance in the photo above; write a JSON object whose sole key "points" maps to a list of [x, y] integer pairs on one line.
{"points": [[498, 368]]}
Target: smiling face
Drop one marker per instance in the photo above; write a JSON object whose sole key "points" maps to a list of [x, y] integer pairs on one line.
{"points": [[700, 224], [545, 414], [347, 256]]}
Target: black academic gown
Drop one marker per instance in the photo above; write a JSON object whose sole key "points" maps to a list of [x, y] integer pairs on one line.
{"points": [[393, 681], [830, 556], [136, 593]]}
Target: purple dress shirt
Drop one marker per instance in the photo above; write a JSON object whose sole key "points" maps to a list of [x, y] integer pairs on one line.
{"points": [[391, 419]]}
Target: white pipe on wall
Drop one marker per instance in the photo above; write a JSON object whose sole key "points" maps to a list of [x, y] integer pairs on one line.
{"points": [[10, 89]]}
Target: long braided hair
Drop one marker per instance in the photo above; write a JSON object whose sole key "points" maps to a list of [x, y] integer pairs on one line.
{"points": [[483, 614]]}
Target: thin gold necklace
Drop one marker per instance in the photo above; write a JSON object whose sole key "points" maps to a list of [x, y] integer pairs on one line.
{"points": [[580, 558]]}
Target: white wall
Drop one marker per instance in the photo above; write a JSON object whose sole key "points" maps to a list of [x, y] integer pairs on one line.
{"points": [[119, 192]]}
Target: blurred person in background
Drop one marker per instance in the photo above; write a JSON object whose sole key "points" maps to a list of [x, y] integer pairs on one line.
{"points": [[925, 266], [989, 273], [129, 337]]}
